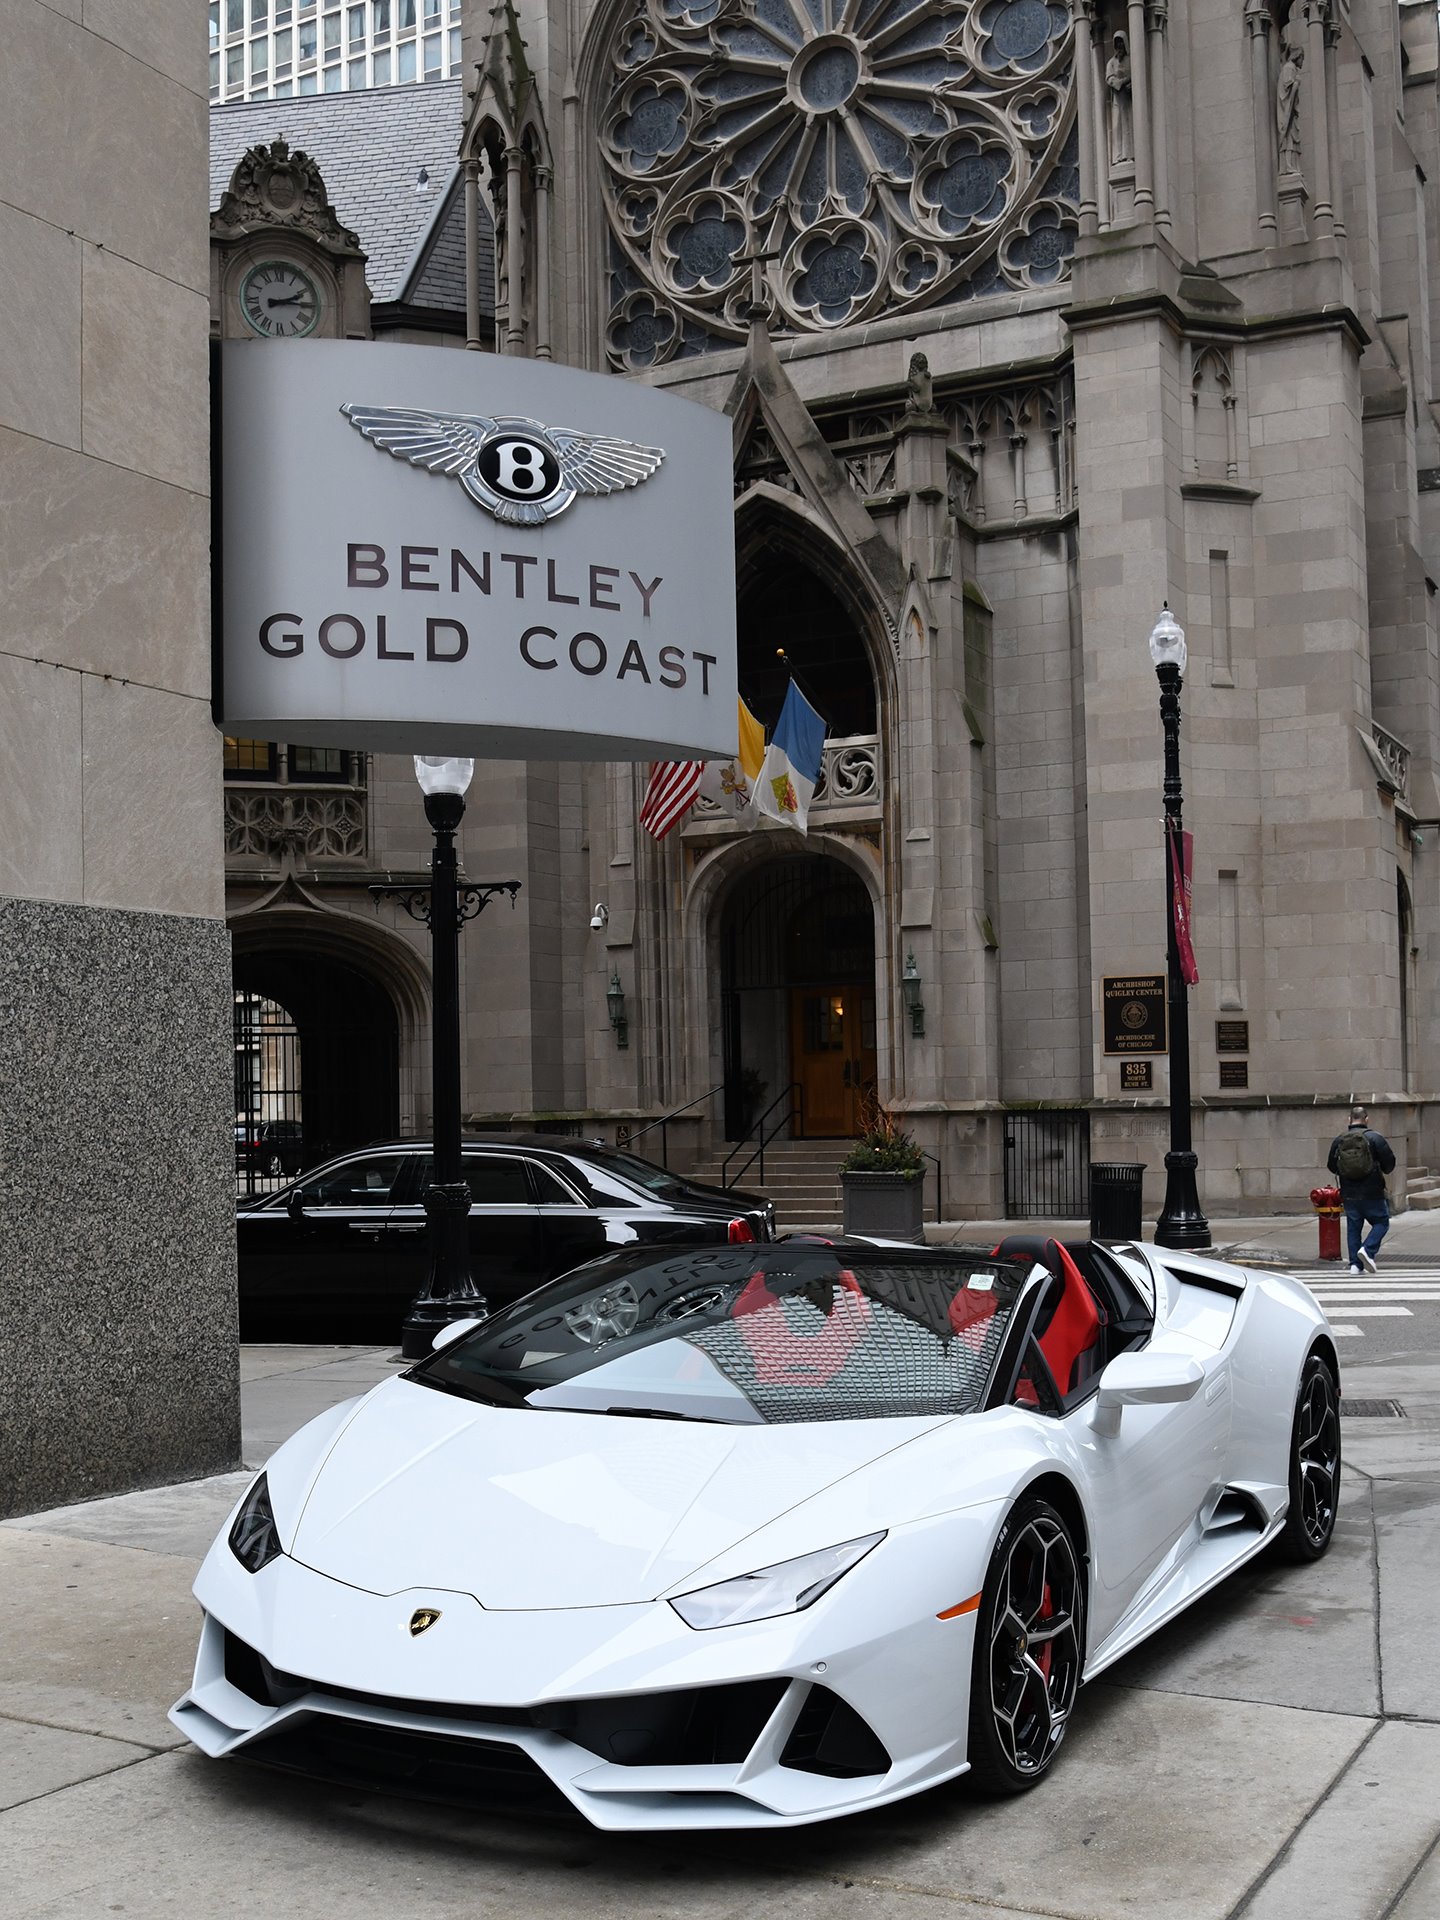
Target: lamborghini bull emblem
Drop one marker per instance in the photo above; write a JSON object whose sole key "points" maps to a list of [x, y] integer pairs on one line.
{"points": [[519, 471], [422, 1619]]}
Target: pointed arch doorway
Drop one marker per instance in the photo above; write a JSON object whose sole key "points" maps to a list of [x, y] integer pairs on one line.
{"points": [[797, 986]]}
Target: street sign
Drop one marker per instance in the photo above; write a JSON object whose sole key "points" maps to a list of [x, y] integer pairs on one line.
{"points": [[423, 550], [1137, 1076], [1134, 1013]]}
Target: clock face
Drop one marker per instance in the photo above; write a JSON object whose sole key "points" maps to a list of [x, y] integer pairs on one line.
{"points": [[278, 300]]}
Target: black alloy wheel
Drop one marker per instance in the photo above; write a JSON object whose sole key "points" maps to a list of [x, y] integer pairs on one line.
{"points": [[1029, 1650], [1314, 1464]]}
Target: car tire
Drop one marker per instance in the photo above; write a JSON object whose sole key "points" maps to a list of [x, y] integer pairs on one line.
{"points": [[1029, 1650], [1314, 1463], [274, 1166]]}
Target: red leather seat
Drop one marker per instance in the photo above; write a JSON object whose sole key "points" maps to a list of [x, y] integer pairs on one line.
{"points": [[1074, 1329]]}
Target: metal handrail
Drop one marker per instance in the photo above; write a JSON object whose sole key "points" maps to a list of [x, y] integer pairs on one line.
{"points": [[795, 1109], [664, 1122], [934, 1160]]}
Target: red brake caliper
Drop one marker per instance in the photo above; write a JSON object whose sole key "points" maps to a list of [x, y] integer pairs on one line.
{"points": [[1046, 1652]]}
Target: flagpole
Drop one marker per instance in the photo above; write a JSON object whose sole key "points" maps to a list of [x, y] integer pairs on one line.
{"points": [[1181, 1222]]}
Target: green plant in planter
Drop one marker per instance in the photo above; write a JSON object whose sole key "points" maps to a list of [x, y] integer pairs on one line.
{"points": [[884, 1147]]}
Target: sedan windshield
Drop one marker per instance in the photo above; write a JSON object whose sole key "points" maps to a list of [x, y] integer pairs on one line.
{"points": [[747, 1335]]}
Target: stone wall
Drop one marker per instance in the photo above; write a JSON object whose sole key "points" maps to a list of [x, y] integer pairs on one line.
{"points": [[116, 1168]]}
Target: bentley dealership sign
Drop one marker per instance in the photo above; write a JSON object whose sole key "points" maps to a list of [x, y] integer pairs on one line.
{"points": [[426, 550]]}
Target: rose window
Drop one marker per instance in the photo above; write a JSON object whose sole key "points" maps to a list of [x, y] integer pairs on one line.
{"points": [[865, 156]]}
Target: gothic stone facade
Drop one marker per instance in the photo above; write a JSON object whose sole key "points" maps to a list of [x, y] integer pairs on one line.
{"points": [[1029, 319]]}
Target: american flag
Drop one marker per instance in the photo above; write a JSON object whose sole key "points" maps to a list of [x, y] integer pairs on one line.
{"points": [[670, 794]]}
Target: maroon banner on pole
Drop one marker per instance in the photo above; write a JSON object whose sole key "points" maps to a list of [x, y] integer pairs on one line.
{"points": [[1182, 853]]}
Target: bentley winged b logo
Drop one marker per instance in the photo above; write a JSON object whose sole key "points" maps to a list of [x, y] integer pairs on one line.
{"points": [[518, 470], [422, 1619]]}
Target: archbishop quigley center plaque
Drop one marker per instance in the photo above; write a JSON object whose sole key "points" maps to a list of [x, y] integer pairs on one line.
{"points": [[1134, 1013]]}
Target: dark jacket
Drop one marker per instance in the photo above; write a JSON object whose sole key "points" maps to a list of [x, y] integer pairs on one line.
{"points": [[1356, 1192]]}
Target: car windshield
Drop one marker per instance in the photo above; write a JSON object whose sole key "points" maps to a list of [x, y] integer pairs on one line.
{"points": [[746, 1336]]}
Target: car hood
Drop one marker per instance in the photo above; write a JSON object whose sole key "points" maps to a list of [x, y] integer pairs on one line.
{"points": [[526, 1509]]}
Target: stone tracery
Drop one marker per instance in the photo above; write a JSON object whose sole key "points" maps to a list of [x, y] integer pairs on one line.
{"points": [[878, 155]]}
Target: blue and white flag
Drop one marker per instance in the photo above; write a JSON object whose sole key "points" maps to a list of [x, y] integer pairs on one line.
{"points": [[792, 762]]}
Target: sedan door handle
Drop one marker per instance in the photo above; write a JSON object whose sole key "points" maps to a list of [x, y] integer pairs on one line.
{"points": [[416, 1229], [358, 1226]]}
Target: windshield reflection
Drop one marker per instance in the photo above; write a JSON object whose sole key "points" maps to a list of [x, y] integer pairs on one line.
{"points": [[747, 1336]]}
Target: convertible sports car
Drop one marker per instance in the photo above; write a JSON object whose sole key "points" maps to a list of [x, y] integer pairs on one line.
{"points": [[746, 1536]]}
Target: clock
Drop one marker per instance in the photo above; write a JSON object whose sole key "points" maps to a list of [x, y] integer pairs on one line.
{"points": [[279, 301]]}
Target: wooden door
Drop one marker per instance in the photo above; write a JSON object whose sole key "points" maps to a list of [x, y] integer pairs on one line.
{"points": [[832, 1044]]}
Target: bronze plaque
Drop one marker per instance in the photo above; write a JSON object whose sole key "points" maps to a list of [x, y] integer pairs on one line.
{"points": [[1134, 1013], [1234, 1073], [1232, 1036], [1137, 1076]]}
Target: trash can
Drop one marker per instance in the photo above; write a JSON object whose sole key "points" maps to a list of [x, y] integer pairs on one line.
{"points": [[1115, 1200]]}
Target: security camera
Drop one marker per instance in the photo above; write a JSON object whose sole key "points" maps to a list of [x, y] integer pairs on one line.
{"points": [[599, 918]]}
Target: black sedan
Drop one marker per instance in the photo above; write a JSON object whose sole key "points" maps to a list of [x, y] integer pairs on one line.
{"points": [[341, 1253]]}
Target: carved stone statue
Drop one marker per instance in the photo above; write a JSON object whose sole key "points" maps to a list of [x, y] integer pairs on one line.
{"points": [[1287, 103], [1120, 102], [920, 397]]}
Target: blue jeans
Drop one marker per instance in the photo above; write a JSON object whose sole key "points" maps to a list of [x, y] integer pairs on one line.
{"points": [[1359, 1214]]}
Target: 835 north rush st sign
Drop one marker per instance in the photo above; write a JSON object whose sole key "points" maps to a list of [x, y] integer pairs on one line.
{"points": [[426, 550]]}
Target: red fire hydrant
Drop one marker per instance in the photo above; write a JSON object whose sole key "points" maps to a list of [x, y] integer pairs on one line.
{"points": [[1326, 1202]]}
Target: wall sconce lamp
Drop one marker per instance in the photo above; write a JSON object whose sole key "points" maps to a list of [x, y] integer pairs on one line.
{"points": [[914, 1005], [615, 1001]]}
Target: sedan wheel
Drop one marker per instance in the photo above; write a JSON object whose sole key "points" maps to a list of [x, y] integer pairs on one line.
{"points": [[1314, 1464], [1028, 1650]]}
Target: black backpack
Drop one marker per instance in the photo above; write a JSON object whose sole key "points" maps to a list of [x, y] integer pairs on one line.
{"points": [[1354, 1156]]}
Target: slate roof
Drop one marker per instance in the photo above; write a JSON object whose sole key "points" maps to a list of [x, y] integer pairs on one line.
{"points": [[370, 146]]}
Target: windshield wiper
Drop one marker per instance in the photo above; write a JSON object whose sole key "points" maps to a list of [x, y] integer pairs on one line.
{"points": [[639, 1413]]}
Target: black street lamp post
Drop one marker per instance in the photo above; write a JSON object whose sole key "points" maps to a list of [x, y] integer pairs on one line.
{"points": [[450, 1291], [1181, 1222]]}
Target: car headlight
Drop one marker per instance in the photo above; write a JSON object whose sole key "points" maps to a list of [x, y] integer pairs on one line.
{"points": [[254, 1537], [770, 1591]]}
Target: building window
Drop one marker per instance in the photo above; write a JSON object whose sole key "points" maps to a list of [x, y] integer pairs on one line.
{"points": [[309, 83], [307, 40], [432, 13], [235, 67], [407, 60], [382, 70], [283, 42], [355, 74], [320, 763], [334, 80], [381, 17], [454, 47], [214, 24], [284, 90], [282, 13], [259, 12], [332, 33], [214, 75], [249, 759], [407, 16], [434, 59], [259, 61], [357, 28], [234, 16]]}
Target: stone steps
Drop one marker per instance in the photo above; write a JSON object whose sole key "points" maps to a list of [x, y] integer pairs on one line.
{"points": [[801, 1177]]}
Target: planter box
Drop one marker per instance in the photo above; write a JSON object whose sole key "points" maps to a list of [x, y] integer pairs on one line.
{"points": [[889, 1205]]}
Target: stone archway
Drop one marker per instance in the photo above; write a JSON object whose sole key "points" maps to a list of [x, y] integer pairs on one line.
{"points": [[357, 1001]]}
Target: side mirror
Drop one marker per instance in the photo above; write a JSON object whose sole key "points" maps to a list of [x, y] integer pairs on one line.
{"points": [[455, 1331], [1143, 1380], [295, 1203]]}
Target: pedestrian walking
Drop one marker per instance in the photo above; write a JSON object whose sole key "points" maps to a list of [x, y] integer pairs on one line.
{"points": [[1360, 1158]]}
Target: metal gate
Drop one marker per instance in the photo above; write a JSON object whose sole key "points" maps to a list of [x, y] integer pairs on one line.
{"points": [[1047, 1164], [269, 1133]]}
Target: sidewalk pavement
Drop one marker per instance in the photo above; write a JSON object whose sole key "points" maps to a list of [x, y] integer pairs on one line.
{"points": [[1271, 1239], [1275, 1754]]}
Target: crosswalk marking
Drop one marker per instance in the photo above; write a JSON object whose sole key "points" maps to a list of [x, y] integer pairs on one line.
{"points": [[1356, 1297]]}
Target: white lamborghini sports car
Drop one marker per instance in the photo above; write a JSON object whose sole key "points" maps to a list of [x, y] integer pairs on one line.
{"points": [[747, 1536]]}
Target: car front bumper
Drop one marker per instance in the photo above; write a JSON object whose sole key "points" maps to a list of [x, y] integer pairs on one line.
{"points": [[861, 1700]]}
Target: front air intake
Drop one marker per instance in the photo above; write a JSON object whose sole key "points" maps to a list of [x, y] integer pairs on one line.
{"points": [[829, 1737]]}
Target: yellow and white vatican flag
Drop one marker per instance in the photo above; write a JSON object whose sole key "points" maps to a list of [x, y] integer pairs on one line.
{"points": [[792, 762], [731, 783]]}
